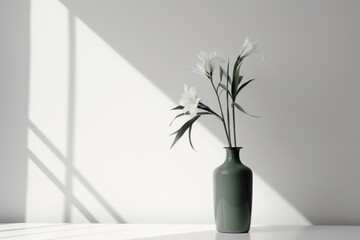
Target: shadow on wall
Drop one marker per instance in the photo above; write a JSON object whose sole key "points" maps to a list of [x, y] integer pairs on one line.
{"points": [[14, 122], [67, 159], [308, 149], [14, 87], [72, 172]]}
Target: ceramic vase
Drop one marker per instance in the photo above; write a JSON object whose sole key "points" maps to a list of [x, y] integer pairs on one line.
{"points": [[233, 183]]}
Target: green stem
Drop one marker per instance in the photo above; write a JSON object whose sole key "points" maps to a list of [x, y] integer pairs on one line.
{"points": [[227, 103], [222, 113], [233, 113]]}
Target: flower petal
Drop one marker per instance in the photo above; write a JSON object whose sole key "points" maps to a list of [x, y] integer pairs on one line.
{"points": [[192, 92], [197, 101], [207, 63], [193, 110], [248, 48], [186, 108]]}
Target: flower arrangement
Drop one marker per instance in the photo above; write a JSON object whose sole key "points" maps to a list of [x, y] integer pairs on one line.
{"points": [[193, 106]]}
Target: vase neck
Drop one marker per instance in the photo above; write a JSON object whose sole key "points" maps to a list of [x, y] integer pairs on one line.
{"points": [[233, 154]]}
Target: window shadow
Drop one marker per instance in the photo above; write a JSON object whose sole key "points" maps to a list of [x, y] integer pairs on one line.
{"points": [[76, 174], [68, 158], [69, 197]]}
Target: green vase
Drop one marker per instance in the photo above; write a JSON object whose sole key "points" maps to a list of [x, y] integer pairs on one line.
{"points": [[233, 194]]}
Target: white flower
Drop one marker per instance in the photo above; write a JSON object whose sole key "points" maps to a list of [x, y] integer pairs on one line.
{"points": [[207, 64], [189, 101], [248, 48]]}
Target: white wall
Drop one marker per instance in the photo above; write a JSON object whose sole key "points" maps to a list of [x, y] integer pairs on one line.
{"points": [[14, 79], [104, 74]]}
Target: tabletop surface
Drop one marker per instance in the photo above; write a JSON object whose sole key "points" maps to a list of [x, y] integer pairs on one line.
{"points": [[30, 231]]}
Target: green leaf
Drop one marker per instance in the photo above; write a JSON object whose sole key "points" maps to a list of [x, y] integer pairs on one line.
{"points": [[221, 78], [177, 107], [190, 138], [221, 92], [183, 129], [225, 75], [200, 106], [204, 113], [241, 109], [237, 78], [206, 108], [183, 114], [235, 85], [221, 73], [244, 85], [224, 88], [227, 72], [236, 73], [237, 63]]}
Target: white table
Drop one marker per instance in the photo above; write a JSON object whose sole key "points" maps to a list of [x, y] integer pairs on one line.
{"points": [[171, 232]]}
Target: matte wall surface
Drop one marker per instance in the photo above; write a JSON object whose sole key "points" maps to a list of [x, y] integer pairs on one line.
{"points": [[14, 82], [104, 74]]}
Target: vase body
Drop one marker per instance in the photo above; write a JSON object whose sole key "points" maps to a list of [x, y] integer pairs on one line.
{"points": [[233, 194]]}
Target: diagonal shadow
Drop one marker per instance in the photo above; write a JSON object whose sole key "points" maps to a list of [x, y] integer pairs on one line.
{"points": [[74, 172], [68, 159], [62, 188]]}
